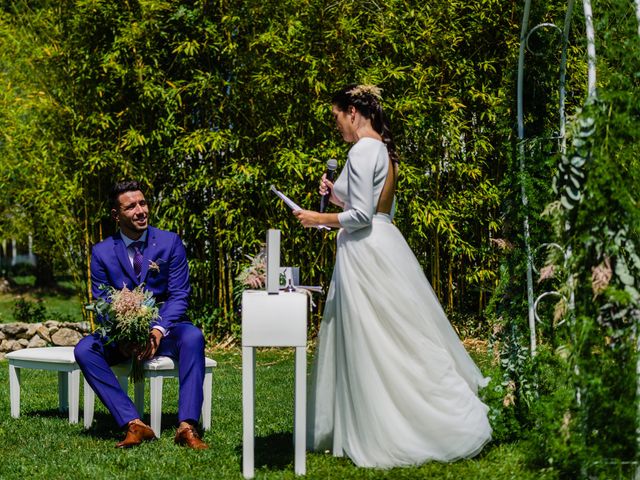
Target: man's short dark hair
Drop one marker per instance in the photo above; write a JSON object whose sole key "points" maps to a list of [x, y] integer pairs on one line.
{"points": [[120, 188]]}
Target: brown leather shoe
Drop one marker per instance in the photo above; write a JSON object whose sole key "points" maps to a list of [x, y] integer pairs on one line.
{"points": [[137, 432], [188, 435]]}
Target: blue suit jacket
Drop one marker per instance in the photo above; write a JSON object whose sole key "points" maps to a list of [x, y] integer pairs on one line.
{"points": [[169, 282]]}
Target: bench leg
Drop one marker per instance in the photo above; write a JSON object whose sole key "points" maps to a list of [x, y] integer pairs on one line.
{"points": [[73, 394], [207, 390], [156, 404], [138, 396], [63, 391], [89, 400], [123, 380], [14, 389]]}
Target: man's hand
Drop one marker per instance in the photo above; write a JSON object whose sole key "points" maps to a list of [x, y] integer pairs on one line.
{"points": [[150, 349]]}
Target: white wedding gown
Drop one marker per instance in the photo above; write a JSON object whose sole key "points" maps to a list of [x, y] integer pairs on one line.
{"points": [[392, 384]]}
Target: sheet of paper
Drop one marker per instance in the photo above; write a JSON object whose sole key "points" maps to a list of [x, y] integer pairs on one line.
{"points": [[290, 203], [293, 205]]}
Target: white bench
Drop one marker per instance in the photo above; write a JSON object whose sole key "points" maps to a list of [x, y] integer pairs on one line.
{"points": [[62, 360], [156, 370], [58, 359]]}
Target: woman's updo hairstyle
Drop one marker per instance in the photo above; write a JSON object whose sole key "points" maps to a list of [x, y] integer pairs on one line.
{"points": [[366, 99]]}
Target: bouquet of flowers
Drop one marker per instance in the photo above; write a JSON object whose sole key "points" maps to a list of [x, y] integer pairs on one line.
{"points": [[254, 275], [126, 319]]}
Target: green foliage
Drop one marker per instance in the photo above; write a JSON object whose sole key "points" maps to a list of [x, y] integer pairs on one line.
{"points": [[505, 423], [552, 416], [584, 425], [212, 321], [29, 311], [208, 104], [604, 232]]}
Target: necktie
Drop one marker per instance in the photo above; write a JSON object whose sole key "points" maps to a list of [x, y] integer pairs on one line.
{"points": [[137, 257]]}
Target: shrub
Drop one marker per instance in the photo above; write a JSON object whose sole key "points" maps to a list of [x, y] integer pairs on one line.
{"points": [[29, 311]]}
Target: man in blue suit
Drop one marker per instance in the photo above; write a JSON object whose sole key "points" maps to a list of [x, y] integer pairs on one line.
{"points": [[137, 254]]}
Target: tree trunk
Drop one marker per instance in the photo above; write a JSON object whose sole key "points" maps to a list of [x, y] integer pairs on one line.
{"points": [[44, 272]]}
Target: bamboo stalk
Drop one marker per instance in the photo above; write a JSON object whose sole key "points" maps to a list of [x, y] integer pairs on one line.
{"points": [[229, 273], [88, 257], [450, 287], [437, 268], [220, 282]]}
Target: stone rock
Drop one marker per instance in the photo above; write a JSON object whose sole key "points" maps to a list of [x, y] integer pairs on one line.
{"points": [[32, 329], [29, 332], [43, 332], [23, 343], [52, 325], [36, 342], [2, 335], [12, 330], [10, 345], [66, 337]]}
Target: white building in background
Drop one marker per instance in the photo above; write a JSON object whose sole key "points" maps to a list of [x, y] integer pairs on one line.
{"points": [[10, 255]]}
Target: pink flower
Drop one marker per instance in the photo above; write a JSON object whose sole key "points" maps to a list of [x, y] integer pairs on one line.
{"points": [[601, 276]]}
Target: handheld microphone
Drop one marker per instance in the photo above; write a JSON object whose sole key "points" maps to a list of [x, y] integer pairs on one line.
{"points": [[332, 165]]}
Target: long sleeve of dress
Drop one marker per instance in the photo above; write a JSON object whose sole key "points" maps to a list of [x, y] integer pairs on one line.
{"points": [[359, 205]]}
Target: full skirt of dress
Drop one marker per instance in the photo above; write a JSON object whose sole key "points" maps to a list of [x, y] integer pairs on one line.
{"points": [[392, 384]]}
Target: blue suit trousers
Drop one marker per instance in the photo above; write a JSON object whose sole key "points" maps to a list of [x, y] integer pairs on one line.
{"points": [[184, 342]]}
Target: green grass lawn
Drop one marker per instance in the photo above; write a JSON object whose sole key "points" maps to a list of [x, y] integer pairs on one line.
{"points": [[42, 444]]}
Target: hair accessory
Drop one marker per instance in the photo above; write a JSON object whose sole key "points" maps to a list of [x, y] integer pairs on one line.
{"points": [[372, 90]]}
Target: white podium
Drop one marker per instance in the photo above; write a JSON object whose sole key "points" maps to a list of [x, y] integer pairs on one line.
{"points": [[273, 320]]}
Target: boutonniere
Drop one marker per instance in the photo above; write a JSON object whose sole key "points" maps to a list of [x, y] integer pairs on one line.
{"points": [[153, 266]]}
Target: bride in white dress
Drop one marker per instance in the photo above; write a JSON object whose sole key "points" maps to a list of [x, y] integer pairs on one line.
{"points": [[392, 384]]}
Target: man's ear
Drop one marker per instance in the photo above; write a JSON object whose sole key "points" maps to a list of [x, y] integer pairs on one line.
{"points": [[114, 214]]}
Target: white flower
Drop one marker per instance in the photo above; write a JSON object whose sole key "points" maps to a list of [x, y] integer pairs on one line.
{"points": [[363, 89]]}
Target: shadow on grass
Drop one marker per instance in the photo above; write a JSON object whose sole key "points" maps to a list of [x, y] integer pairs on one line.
{"points": [[104, 426], [49, 413], [274, 451]]}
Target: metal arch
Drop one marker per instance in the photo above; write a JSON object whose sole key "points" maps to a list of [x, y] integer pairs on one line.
{"points": [[591, 50], [525, 200], [563, 75], [637, 2], [524, 39], [543, 295], [540, 25], [520, 84]]}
